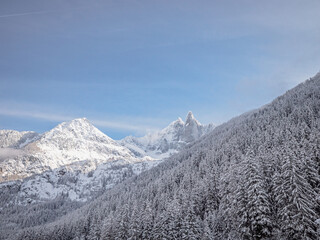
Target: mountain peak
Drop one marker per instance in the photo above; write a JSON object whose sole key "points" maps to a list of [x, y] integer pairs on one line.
{"points": [[190, 115], [191, 119], [179, 121], [79, 128], [83, 119], [169, 140], [79, 121]]}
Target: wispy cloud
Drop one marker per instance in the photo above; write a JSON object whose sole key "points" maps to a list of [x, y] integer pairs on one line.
{"points": [[52, 117], [124, 126], [23, 14], [36, 115]]}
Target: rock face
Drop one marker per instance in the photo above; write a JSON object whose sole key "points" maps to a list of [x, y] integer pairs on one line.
{"points": [[169, 140]]}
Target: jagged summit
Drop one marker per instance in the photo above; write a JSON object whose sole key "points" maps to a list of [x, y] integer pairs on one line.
{"points": [[178, 121], [190, 118], [169, 140]]}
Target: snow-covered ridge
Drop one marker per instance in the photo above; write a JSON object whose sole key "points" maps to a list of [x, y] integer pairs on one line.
{"points": [[169, 140], [76, 160], [16, 139], [70, 182], [79, 140], [67, 143]]}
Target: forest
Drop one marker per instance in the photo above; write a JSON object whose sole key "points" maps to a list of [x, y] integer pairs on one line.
{"points": [[253, 177]]}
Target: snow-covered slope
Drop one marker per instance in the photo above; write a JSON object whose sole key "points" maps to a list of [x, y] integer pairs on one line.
{"points": [[78, 140], [68, 143], [78, 161], [169, 140], [73, 184], [15, 139]]}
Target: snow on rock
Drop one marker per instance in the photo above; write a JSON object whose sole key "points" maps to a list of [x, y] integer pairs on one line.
{"points": [[67, 143], [78, 161], [76, 185], [169, 140], [15, 139]]}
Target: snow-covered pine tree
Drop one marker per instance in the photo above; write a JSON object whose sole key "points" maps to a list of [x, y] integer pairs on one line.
{"points": [[258, 206], [123, 222], [296, 200], [190, 222]]}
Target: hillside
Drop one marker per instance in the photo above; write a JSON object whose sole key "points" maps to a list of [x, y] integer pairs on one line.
{"points": [[254, 177]]}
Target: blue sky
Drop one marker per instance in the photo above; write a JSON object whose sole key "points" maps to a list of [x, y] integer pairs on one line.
{"points": [[135, 66]]}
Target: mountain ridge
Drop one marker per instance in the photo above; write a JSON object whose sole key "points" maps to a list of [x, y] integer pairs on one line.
{"points": [[169, 140], [77, 160]]}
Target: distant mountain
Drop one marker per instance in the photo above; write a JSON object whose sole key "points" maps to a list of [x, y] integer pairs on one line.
{"points": [[169, 140], [76, 143], [77, 161]]}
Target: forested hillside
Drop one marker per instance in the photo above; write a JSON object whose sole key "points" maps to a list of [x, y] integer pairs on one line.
{"points": [[254, 177]]}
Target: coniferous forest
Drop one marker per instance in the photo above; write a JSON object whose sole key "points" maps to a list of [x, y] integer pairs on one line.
{"points": [[253, 177]]}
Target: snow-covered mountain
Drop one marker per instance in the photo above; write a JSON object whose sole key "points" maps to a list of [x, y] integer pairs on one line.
{"points": [[76, 143], [253, 177], [169, 140], [78, 161], [71, 183]]}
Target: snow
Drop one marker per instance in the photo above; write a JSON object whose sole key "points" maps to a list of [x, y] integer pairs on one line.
{"points": [[168, 141], [77, 160], [15, 139], [67, 143], [76, 185]]}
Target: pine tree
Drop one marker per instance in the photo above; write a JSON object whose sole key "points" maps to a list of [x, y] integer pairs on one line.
{"points": [[258, 205], [147, 220], [107, 231], [123, 221], [190, 224], [296, 200], [135, 227]]}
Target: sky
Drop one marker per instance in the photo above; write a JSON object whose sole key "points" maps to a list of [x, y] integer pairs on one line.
{"points": [[135, 66]]}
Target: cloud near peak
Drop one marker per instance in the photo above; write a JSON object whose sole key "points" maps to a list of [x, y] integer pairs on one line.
{"points": [[113, 124]]}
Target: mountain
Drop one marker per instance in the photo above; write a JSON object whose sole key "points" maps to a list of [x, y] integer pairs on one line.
{"points": [[170, 140], [76, 144], [253, 177], [75, 162], [79, 162]]}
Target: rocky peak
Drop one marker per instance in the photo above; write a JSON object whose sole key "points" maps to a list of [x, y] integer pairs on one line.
{"points": [[191, 120], [168, 140]]}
